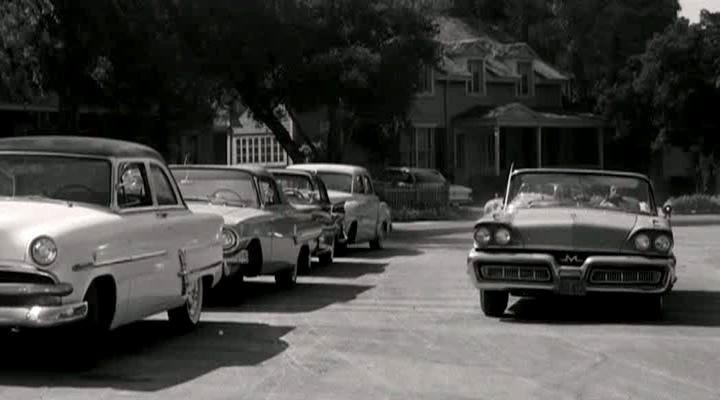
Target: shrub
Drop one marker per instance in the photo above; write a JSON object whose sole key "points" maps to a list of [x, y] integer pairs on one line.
{"points": [[695, 204], [407, 214]]}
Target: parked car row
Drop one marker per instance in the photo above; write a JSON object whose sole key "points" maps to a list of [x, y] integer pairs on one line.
{"points": [[97, 233]]}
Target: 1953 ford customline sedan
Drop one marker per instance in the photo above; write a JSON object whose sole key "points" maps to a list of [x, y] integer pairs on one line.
{"points": [[263, 233], [573, 232], [95, 232]]}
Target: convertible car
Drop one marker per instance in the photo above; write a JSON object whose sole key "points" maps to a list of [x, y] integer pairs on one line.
{"points": [[263, 234], [367, 218], [94, 234], [307, 193], [573, 232]]}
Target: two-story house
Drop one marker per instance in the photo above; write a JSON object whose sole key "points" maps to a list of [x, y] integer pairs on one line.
{"points": [[493, 103]]}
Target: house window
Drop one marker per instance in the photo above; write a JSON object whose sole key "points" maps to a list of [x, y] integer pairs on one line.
{"points": [[426, 82], [460, 151], [424, 148], [476, 84], [526, 86], [259, 149]]}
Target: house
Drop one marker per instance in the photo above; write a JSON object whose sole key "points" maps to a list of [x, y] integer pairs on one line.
{"points": [[493, 103]]}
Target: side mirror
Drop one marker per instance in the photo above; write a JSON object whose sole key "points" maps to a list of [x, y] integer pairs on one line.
{"points": [[667, 210]]}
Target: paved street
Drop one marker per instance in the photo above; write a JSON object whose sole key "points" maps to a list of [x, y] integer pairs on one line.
{"points": [[405, 323]]}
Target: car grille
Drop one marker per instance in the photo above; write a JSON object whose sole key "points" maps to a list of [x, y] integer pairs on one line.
{"points": [[24, 277], [622, 276], [525, 273]]}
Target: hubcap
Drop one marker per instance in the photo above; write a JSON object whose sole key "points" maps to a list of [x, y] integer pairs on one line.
{"points": [[194, 300]]}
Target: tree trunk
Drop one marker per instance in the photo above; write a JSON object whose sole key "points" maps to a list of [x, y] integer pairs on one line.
{"points": [[300, 132], [334, 136], [268, 117]]}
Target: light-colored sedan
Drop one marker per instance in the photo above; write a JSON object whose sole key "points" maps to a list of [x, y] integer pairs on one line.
{"points": [[95, 232], [263, 233], [367, 218]]}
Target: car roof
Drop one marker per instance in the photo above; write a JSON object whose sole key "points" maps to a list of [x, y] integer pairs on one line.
{"points": [[327, 167], [81, 145], [299, 172], [412, 169], [582, 171], [250, 169]]}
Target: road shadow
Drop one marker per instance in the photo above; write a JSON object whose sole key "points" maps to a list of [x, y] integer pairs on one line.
{"points": [[387, 252], [429, 232], [681, 308], [348, 269], [145, 356], [266, 297]]}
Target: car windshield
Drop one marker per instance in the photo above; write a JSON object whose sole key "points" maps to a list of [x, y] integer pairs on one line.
{"points": [[337, 181], [612, 192], [298, 189], [67, 178], [217, 186], [393, 176]]}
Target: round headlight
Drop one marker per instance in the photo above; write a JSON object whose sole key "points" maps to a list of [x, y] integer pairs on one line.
{"points": [[229, 239], [663, 243], [482, 236], [642, 242], [502, 236], [43, 251]]}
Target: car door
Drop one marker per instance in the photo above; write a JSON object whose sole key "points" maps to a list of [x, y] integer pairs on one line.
{"points": [[144, 247], [372, 202], [282, 225], [175, 230]]}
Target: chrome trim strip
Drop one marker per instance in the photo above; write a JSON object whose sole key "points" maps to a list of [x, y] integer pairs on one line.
{"points": [[35, 289], [136, 257]]}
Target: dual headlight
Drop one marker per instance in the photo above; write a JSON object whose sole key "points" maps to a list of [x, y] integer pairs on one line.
{"points": [[644, 242], [485, 235], [230, 239], [43, 251]]}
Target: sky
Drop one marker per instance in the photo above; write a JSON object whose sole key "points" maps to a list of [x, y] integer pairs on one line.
{"points": [[691, 8]]}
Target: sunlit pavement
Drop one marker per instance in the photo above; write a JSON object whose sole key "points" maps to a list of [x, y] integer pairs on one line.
{"points": [[404, 323]]}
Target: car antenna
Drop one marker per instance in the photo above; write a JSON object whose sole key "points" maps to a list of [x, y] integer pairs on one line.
{"points": [[507, 189]]}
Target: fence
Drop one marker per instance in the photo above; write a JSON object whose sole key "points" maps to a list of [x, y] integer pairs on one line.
{"points": [[415, 197]]}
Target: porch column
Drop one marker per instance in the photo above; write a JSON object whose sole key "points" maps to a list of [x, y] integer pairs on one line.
{"points": [[496, 133], [229, 143], [601, 147], [538, 148]]}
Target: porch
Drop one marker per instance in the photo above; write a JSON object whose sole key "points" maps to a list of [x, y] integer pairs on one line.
{"points": [[488, 142]]}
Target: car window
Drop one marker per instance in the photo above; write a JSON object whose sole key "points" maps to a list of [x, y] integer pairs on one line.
{"points": [[322, 190], [358, 184], [268, 192], [395, 177], [368, 185], [163, 188], [134, 191]]}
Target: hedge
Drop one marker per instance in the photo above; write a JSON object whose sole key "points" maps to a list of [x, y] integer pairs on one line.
{"points": [[695, 204]]}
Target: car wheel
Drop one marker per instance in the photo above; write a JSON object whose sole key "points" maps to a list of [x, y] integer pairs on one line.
{"points": [[652, 306], [187, 316], [286, 279], [340, 248], [494, 302], [377, 243], [88, 333]]}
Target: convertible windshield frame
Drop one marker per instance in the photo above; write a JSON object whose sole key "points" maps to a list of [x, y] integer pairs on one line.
{"points": [[589, 175], [108, 161]]}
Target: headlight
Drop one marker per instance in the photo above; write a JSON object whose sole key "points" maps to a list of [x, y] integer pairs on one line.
{"points": [[642, 242], [663, 243], [502, 236], [482, 236], [43, 250], [229, 239]]}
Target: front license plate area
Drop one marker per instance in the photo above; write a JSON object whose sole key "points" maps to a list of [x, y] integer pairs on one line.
{"points": [[571, 287]]}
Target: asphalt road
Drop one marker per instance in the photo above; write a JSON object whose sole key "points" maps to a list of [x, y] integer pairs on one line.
{"points": [[404, 323]]}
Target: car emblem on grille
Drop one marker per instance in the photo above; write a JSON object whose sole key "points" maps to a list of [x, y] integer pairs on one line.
{"points": [[569, 258]]}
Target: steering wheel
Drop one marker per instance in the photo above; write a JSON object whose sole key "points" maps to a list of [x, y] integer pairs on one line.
{"points": [[67, 188], [296, 193], [232, 192]]}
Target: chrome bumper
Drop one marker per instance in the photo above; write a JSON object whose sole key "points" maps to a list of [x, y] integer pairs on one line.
{"points": [[527, 273], [39, 314]]}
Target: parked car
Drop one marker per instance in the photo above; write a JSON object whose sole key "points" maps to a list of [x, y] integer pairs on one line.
{"points": [[367, 219], [307, 193], [407, 177], [94, 234], [263, 233], [573, 232]]}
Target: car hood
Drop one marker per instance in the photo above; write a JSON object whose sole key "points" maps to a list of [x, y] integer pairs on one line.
{"points": [[21, 221], [337, 196], [572, 228], [231, 214]]}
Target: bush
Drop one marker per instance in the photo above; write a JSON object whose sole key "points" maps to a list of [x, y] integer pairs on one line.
{"points": [[695, 204], [407, 214]]}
